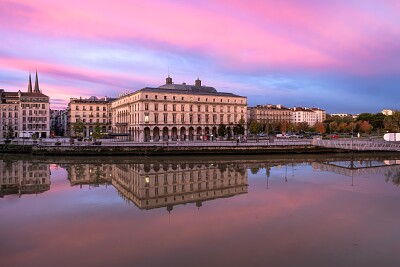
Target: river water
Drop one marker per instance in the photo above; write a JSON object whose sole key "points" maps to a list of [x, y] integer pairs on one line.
{"points": [[324, 210]]}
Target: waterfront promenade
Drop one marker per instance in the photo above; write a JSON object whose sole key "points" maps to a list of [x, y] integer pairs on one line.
{"points": [[50, 142], [62, 146]]}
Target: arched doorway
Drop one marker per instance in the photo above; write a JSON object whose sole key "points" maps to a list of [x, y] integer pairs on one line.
{"points": [[156, 134], [229, 132], [191, 134], [165, 134], [215, 132], [198, 133], [183, 134], [90, 131], [174, 134], [147, 134]]}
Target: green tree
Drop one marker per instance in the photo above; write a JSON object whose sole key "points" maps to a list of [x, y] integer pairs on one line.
{"points": [[96, 132], [78, 128], [254, 127], [222, 130], [392, 122]]}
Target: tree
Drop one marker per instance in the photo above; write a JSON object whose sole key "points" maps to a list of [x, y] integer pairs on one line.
{"points": [[96, 132], [342, 126], [333, 126], [376, 120], [301, 126], [365, 127], [238, 129], [392, 122], [254, 127], [222, 130], [283, 126], [78, 128], [320, 127], [351, 127]]}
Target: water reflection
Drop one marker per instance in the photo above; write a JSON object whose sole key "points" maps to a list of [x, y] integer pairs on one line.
{"points": [[389, 168], [156, 185], [310, 212], [23, 177], [166, 183]]}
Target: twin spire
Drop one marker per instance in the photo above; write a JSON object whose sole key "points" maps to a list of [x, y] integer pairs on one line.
{"points": [[36, 89]]}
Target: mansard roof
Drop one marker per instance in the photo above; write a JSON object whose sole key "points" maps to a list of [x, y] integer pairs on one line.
{"points": [[188, 90]]}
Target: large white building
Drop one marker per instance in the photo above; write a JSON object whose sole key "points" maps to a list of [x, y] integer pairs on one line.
{"points": [[24, 114], [304, 115], [176, 112]]}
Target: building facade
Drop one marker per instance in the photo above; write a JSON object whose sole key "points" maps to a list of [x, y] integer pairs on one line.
{"points": [[176, 112], [278, 114], [24, 114], [89, 111], [320, 113], [271, 114], [59, 122], [307, 115]]}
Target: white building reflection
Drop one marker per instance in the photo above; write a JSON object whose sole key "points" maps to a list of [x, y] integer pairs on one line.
{"points": [[158, 185], [23, 177]]}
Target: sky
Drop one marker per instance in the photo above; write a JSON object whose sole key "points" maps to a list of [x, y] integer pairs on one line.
{"points": [[341, 55]]}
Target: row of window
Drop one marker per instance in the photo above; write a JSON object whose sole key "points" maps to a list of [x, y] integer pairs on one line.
{"points": [[94, 120], [191, 118], [198, 99], [199, 108], [165, 97], [25, 106], [91, 108]]}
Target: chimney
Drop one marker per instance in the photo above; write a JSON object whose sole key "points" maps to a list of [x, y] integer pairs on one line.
{"points": [[168, 80], [197, 83]]}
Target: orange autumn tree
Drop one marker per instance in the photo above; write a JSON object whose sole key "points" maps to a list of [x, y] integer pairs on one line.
{"points": [[320, 127], [366, 127]]}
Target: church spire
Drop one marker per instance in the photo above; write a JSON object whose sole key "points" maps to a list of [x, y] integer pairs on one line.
{"points": [[30, 84], [36, 90]]}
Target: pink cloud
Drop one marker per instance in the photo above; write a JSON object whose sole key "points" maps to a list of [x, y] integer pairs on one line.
{"points": [[265, 34]]}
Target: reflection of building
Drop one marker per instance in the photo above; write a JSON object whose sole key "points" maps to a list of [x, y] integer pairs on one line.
{"points": [[164, 185], [25, 113], [90, 111], [22, 177], [176, 112], [93, 174]]}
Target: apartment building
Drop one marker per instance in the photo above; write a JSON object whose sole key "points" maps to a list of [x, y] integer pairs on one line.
{"points": [[89, 111], [270, 114], [24, 114]]}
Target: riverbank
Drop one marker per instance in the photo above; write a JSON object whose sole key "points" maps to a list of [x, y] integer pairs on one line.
{"points": [[170, 149]]}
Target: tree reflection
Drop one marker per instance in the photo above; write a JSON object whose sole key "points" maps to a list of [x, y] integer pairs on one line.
{"points": [[394, 176]]}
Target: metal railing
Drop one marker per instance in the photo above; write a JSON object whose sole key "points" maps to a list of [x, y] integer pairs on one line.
{"points": [[359, 145]]}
